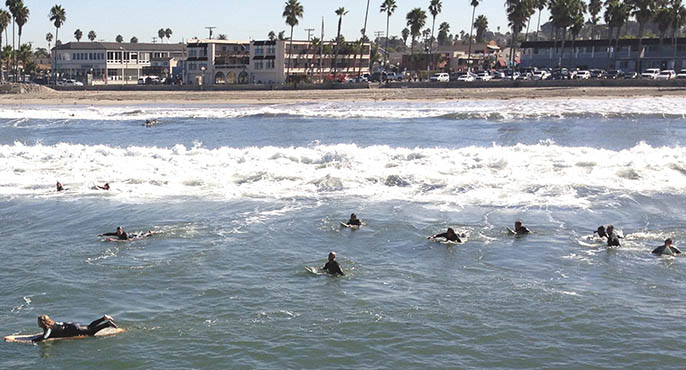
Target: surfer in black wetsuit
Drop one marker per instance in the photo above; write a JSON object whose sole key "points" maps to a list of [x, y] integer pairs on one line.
{"points": [[666, 248], [104, 187], [354, 221], [612, 237], [332, 267], [121, 234], [52, 329], [59, 186], [601, 232], [520, 229], [449, 235]]}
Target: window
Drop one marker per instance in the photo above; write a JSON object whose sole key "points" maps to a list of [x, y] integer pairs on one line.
{"points": [[271, 50], [259, 50], [259, 64], [192, 66], [269, 64]]}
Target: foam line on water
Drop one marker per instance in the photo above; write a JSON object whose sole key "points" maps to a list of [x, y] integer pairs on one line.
{"points": [[544, 174], [668, 107]]}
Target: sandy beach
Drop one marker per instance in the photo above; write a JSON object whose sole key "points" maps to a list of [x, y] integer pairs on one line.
{"points": [[51, 97]]}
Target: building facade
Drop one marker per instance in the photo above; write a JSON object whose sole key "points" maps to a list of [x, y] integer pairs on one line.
{"points": [[111, 62], [217, 62], [602, 54]]}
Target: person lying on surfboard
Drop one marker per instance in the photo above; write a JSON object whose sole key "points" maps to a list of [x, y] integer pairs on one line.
{"points": [[59, 186], [104, 187], [52, 329], [666, 249], [120, 233], [520, 229], [612, 237], [449, 235], [332, 267], [601, 232], [354, 221]]}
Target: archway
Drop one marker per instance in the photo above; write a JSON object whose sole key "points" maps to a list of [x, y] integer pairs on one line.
{"points": [[219, 78]]}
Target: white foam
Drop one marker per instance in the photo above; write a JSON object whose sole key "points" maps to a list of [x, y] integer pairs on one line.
{"points": [[520, 175], [481, 109]]}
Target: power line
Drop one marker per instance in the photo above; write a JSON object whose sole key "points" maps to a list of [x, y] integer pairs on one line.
{"points": [[210, 28], [309, 33]]}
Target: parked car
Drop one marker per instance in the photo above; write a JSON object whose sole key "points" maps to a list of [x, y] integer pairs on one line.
{"points": [[541, 74], [467, 77], [615, 74], [498, 75], [650, 73], [561, 74], [440, 77], [510, 75], [378, 77], [392, 76], [630, 75], [598, 73], [483, 76], [582, 75], [682, 74], [667, 74]]}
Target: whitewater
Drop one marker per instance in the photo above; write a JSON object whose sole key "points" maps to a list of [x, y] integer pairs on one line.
{"points": [[244, 197]]}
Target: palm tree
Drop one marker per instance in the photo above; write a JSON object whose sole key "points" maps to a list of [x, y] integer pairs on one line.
{"points": [[168, 33], [134, 40], [594, 7], [443, 33], [292, 11], [161, 34], [416, 19], [92, 35], [388, 7], [20, 18], [119, 39], [48, 38], [271, 36], [435, 8], [663, 19], [474, 4], [340, 12], [575, 29], [405, 34], [222, 36], [78, 34], [12, 6], [7, 55], [563, 14], [518, 11], [678, 12], [540, 5], [282, 36], [643, 10], [362, 40], [481, 25], [616, 14], [57, 16], [5, 19]]}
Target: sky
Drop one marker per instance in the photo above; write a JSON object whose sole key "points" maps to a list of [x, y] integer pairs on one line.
{"points": [[238, 19]]}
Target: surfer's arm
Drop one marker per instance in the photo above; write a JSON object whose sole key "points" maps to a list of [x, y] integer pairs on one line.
{"points": [[46, 335], [108, 234]]}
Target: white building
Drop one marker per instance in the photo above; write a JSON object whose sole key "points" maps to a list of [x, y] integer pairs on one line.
{"points": [[217, 62], [111, 62]]}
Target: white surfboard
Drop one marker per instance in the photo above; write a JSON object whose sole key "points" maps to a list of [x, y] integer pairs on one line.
{"points": [[29, 338]]}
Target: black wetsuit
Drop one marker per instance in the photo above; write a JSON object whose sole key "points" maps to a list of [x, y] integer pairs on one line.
{"points": [[72, 329], [452, 238], [123, 235], [612, 240], [333, 268], [661, 250], [521, 230], [355, 222]]}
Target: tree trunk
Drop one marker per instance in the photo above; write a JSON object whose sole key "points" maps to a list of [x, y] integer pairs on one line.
{"points": [[335, 54], [562, 47], [526, 35], [364, 34], [290, 50], [619, 29], [639, 51], [469, 54], [538, 27], [388, 18]]}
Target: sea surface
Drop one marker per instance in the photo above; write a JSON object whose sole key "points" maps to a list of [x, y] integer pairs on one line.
{"points": [[246, 197]]}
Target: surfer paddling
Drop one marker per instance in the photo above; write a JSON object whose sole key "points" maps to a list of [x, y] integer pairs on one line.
{"points": [[354, 221], [666, 249], [601, 232], [104, 187], [332, 267], [520, 229], [122, 235], [59, 186], [449, 235], [612, 237], [53, 329]]}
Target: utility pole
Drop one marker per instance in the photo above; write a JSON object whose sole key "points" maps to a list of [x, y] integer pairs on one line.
{"points": [[309, 33], [378, 34], [154, 39], [210, 28]]}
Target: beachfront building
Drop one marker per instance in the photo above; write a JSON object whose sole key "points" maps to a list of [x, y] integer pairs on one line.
{"points": [[602, 54], [270, 61], [454, 57], [110, 62], [217, 62]]}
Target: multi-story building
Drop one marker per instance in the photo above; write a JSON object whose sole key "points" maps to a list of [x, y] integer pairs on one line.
{"points": [[589, 54], [110, 62], [217, 62]]}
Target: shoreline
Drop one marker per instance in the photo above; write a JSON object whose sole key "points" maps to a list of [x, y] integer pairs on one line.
{"points": [[93, 97]]}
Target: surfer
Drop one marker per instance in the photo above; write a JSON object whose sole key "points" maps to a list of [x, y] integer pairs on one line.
{"points": [[354, 221], [666, 248], [449, 235], [120, 233], [332, 267], [601, 232], [52, 329], [104, 187], [59, 186], [520, 229], [612, 237]]}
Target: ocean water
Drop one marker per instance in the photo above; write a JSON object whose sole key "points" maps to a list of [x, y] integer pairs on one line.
{"points": [[246, 197]]}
